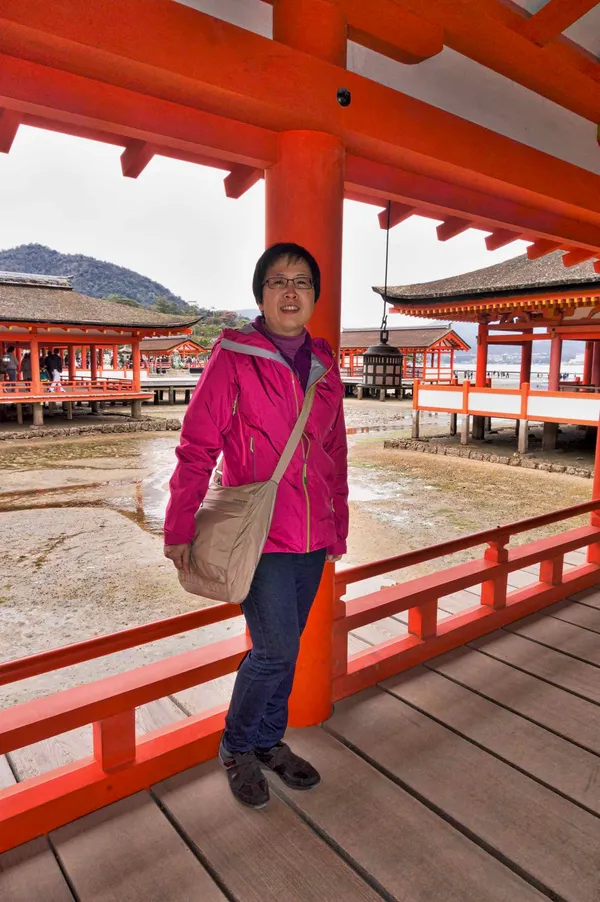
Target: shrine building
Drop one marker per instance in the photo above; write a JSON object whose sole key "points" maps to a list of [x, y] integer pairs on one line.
{"points": [[41, 313], [527, 299]]}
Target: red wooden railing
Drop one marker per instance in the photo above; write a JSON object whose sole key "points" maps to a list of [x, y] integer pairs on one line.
{"points": [[81, 387], [123, 763]]}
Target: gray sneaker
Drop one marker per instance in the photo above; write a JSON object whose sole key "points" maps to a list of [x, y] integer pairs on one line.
{"points": [[245, 777]]}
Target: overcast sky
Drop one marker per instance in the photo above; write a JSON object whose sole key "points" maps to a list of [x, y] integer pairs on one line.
{"points": [[175, 225]]}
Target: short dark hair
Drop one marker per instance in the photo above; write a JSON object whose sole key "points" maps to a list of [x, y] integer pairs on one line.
{"points": [[292, 252], [10, 349]]}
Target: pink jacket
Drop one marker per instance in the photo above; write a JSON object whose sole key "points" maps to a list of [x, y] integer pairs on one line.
{"points": [[245, 405]]}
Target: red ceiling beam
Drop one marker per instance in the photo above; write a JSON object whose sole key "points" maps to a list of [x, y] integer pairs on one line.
{"points": [[572, 258], [73, 104], [398, 213], [479, 30], [440, 199], [500, 238], [552, 19], [542, 248], [9, 126], [452, 227], [394, 32], [135, 158], [241, 179], [288, 90]]}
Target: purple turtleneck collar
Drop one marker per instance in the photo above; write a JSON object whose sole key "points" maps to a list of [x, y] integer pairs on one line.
{"points": [[296, 350]]}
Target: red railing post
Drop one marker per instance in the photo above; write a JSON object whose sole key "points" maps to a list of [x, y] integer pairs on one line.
{"points": [[114, 741], [422, 620], [593, 552], [551, 571], [493, 591]]}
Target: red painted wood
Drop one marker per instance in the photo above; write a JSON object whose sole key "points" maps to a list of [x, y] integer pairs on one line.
{"points": [[114, 741], [38, 719]]}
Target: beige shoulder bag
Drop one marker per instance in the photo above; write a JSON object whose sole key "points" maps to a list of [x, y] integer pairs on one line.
{"points": [[232, 526]]}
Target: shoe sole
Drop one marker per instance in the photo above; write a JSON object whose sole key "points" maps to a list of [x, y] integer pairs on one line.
{"points": [[264, 766]]}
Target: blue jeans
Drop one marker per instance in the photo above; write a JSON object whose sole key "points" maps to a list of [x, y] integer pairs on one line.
{"points": [[276, 611]]}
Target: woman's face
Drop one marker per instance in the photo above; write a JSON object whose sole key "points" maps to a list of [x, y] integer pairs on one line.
{"points": [[286, 306]]}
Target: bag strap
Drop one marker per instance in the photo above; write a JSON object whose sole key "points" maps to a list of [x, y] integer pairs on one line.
{"points": [[294, 439]]}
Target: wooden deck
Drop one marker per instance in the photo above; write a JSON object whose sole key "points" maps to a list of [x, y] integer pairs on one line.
{"points": [[475, 777]]}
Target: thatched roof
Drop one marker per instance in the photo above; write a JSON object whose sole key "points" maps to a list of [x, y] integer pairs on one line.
{"points": [[169, 344], [45, 299], [418, 338], [517, 276]]}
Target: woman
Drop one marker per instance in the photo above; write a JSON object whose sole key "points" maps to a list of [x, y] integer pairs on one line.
{"points": [[246, 405]]}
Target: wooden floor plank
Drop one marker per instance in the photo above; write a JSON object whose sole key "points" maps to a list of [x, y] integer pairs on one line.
{"points": [[57, 751], [557, 710], [590, 597], [553, 760], [579, 614], [571, 640], [577, 557], [380, 631], [518, 579], [30, 873], [546, 836], [265, 856], [129, 852], [459, 601], [547, 663], [391, 835]]}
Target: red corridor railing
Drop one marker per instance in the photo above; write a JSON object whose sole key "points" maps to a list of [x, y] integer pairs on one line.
{"points": [[123, 763]]}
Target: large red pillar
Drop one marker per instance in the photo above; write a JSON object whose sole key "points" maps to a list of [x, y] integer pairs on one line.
{"points": [[482, 356], [526, 354], [555, 358], [596, 364], [304, 204], [136, 364], [588, 357]]}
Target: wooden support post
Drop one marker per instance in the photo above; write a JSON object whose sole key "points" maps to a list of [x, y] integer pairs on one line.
{"points": [[422, 620], [526, 352], [136, 364], [136, 409], [382, 394], [187, 396], [38, 414], [493, 591], [20, 414], [465, 429], [523, 436], [416, 423], [114, 741], [453, 423], [69, 409], [549, 436], [478, 428], [95, 407], [171, 395]]}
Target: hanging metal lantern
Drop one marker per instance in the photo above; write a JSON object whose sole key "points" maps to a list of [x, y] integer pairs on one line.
{"points": [[382, 363], [382, 366]]}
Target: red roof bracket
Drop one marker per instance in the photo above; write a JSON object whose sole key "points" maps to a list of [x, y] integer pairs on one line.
{"points": [[541, 248], [552, 19], [398, 213], [579, 255], [9, 126], [241, 179], [452, 227], [135, 158], [500, 238]]}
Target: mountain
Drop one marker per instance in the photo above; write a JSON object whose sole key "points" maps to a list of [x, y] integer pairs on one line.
{"points": [[88, 275]]}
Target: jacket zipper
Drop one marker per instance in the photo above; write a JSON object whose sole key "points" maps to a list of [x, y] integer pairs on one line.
{"points": [[253, 457], [305, 453]]}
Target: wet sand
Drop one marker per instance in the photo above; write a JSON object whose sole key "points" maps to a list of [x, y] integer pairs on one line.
{"points": [[80, 529]]}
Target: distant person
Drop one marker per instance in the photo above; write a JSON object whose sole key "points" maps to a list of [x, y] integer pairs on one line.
{"points": [[54, 366], [26, 367], [9, 364]]}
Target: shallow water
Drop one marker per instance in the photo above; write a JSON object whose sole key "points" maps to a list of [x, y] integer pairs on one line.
{"points": [[44, 471]]}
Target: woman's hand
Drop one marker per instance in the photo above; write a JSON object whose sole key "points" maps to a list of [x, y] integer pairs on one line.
{"points": [[180, 555], [332, 558]]}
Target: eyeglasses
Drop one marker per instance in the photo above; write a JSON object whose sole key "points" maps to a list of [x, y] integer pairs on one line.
{"points": [[300, 283]]}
